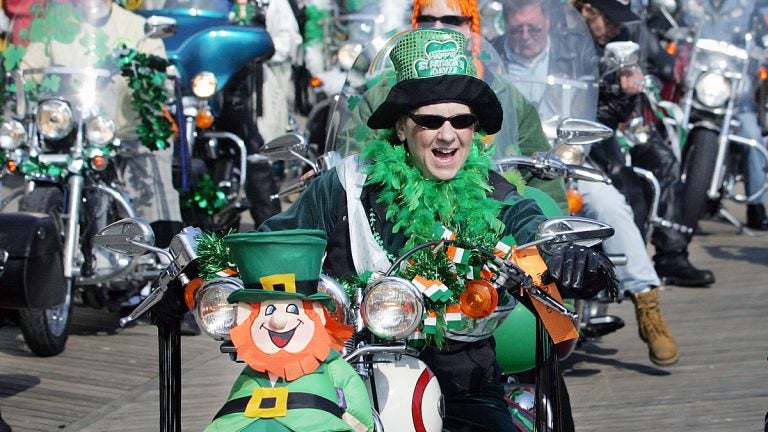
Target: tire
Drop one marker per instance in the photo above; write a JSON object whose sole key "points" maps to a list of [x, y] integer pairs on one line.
{"points": [[46, 331], [697, 170]]}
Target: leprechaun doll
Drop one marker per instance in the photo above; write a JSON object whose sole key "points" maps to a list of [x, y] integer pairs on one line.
{"points": [[295, 380]]}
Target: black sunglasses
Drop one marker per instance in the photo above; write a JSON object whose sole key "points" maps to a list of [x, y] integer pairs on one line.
{"points": [[454, 20], [519, 29], [434, 122]]}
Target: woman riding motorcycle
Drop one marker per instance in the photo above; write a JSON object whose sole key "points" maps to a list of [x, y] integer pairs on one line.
{"points": [[425, 170]]}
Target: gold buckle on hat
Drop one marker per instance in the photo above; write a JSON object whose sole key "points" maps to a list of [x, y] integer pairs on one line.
{"points": [[267, 403]]}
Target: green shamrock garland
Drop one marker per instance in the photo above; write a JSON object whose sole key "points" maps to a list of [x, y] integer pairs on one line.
{"points": [[146, 77]]}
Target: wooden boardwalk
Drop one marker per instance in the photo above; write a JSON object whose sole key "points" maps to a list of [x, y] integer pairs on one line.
{"points": [[106, 379]]}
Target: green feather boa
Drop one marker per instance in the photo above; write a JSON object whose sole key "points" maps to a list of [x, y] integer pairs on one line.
{"points": [[414, 203]]}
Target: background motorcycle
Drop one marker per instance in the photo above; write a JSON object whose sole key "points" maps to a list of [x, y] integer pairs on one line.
{"points": [[61, 137], [715, 75], [216, 60]]}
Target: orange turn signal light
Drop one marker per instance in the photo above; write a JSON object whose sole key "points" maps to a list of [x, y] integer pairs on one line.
{"points": [[479, 299], [671, 48], [763, 73], [190, 290], [12, 167], [204, 119], [315, 82], [99, 163], [575, 200]]}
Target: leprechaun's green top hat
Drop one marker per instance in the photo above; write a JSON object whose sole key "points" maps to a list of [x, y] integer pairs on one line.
{"points": [[432, 67], [278, 265]]}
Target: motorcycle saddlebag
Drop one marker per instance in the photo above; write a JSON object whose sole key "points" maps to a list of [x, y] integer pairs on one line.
{"points": [[33, 275]]}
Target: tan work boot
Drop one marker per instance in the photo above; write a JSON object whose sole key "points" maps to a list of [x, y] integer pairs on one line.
{"points": [[653, 330]]}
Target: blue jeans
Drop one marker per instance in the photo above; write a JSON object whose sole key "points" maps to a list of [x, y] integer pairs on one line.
{"points": [[754, 165], [606, 204]]}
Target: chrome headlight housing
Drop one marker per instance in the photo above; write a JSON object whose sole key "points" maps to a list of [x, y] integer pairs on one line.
{"points": [[55, 119], [214, 314], [204, 85], [572, 154], [392, 308], [100, 130], [347, 55], [712, 90], [342, 312], [12, 134]]}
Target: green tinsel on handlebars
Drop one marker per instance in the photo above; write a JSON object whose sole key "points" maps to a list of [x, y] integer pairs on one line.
{"points": [[213, 254]]}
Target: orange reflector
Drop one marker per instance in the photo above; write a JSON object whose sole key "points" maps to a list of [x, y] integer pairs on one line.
{"points": [[575, 201], [99, 163], [763, 73], [204, 119], [479, 299], [12, 167], [190, 290], [315, 82], [671, 48]]}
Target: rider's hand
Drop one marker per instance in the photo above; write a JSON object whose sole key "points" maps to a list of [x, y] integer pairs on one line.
{"points": [[631, 80], [171, 308], [582, 272]]}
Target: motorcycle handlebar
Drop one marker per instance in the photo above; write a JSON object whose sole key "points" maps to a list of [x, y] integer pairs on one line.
{"points": [[549, 166]]}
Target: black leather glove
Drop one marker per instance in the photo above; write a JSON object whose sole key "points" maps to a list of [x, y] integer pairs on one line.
{"points": [[171, 308], [582, 272]]}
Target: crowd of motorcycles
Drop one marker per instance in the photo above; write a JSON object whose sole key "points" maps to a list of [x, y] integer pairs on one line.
{"points": [[61, 147]]}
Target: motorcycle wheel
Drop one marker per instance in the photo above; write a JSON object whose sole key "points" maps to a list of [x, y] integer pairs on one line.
{"points": [[698, 165], [46, 331]]}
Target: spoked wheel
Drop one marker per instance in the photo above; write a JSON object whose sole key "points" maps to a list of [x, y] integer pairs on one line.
{"points": [[698, 168], [46, 330]]}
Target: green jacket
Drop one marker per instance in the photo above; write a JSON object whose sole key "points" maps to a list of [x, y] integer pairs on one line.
{"points": [[333, 373]]}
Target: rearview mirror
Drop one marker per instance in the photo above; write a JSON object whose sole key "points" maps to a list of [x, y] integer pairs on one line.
{"points": [[554, 232], [159, 27], [622, 54], [127, 236], [583, 132], [287, 146]]}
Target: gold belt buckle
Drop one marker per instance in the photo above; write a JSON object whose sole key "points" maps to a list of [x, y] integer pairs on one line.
{"points": [[268, 403]]}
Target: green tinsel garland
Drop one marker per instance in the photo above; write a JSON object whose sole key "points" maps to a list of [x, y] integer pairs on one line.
{"points": [[213, 254], [207, 196], [146, 79]]}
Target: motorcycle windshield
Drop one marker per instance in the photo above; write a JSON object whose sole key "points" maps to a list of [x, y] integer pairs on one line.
{"points": [[551, 59], [372, 75]]}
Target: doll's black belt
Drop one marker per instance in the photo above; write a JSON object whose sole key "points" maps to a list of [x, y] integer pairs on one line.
{"points": [[296, 400]]}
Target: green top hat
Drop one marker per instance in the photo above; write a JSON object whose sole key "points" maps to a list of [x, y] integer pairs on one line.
{"points": [[279, 265], [432, 67]]}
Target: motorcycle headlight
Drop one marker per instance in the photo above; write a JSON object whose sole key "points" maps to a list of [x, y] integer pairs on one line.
{"points": [[214, 315], [100, 130], [348, 54], [392, 308], [55, 119], [712, 90], [12, 134], [204, 85], [570, 154]]}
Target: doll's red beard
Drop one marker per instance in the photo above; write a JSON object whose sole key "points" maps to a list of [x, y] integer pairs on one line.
{"points": [[290, 366]]}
